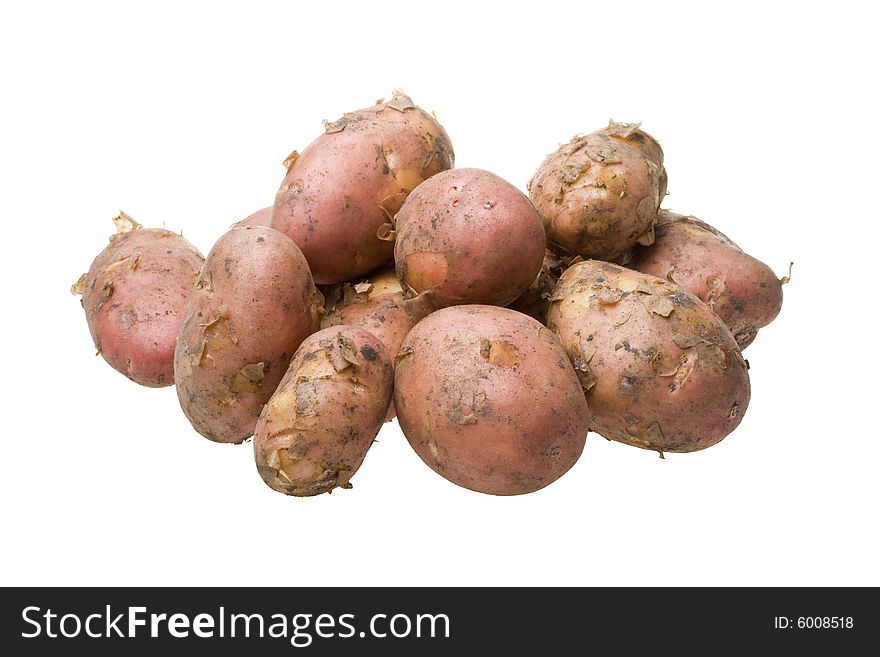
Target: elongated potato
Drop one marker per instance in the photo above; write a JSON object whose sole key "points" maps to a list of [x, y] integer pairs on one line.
{"points": [[134, 295], [316, 429], [599, 193], [253, 304], [343, 191], [488, 399], [468, 236], [740, 289], [379, 305], [660, 370]]}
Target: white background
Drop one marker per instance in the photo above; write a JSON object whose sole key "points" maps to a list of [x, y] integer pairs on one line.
{"points": [[181, 113]]}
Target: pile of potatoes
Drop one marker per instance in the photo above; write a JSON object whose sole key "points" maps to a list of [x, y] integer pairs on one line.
{"points": [[499, 328]]}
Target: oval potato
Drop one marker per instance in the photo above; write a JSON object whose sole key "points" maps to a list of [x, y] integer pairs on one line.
{"points": [[488, 399], [661, 371], [740, 289], [316, 429], [599, 194], [253, 304], [468, 236], [134, 296], [346, 187]]}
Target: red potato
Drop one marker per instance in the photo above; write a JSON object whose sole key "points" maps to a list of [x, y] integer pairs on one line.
{"points": [[740, 289], [315, 431], [488, 399], [134, 296], [379, 305], [262, 217], [253, 304], [468, 236], [599, 194], [660, 370], [342, 192]]}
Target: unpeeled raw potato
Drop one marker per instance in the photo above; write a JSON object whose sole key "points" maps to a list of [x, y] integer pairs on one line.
{"points": [[379, 305], [599, 194], [262, 217], [316, 429], [134, 296], [740, 289], [253, 304], [340, 195], [468, 236], [660, 370], [488, 399]]}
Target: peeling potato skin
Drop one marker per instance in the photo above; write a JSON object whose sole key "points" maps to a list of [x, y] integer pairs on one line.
{"points": [[740, 289], [488, 399], [352, 180], [134, 296], [599, 194], [535, 301], [381, 308], [468, 236], [252, 306], [660, 370], [331, 294], [261, 217], [315, 431]]}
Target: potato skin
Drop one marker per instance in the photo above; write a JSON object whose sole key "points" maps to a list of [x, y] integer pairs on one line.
{"points": [[598, 194], [488, 399], [468, 236], [379, 305], [660, 370], [349, 183], [740, 289], [253, 304], [134, 296], [261, 217], [315, 431]]}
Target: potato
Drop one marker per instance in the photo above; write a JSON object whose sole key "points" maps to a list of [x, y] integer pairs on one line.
{"points": [[535, 301], [468, 236], [261, 217], [378, 305], [740, 289], [342, 192], [598, 194], [660, 370], [316, 429], [253, 305], [488, 399], [134, 295]]}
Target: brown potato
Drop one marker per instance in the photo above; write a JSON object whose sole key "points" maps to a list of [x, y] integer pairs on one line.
{"points": [[253, 305], [343, 191], [740, 289], [379, 305], [468, 236], [134, 295], [316, 429], [488, 399], [660, 370], [598, 194]]}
